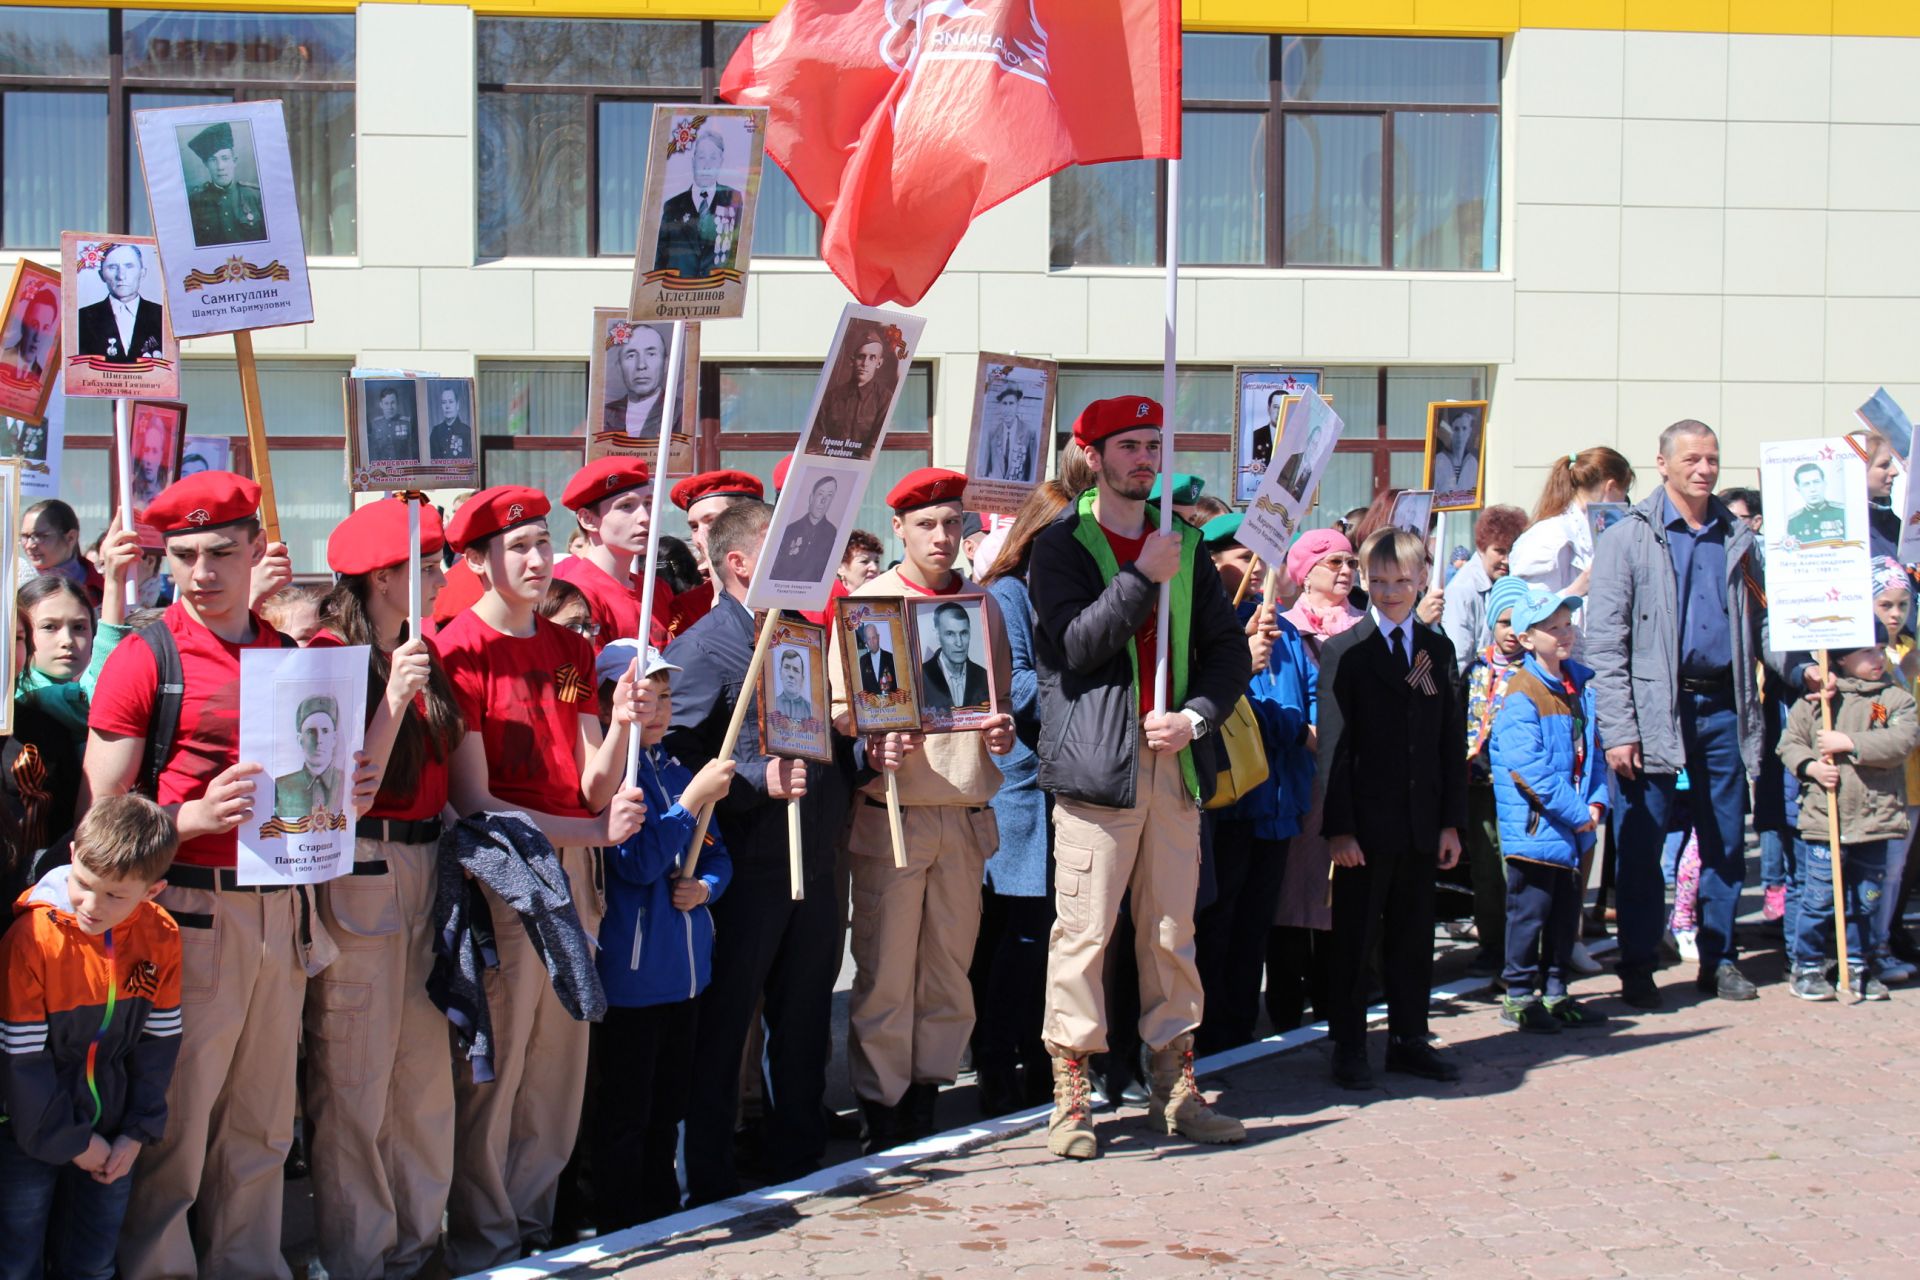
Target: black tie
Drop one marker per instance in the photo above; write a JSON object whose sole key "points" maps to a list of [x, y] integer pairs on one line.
{"points": [[703, 204], [1399, 647]]}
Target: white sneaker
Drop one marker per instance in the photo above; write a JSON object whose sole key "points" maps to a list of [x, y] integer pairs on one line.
{"points": [[1687, 942], [1582, 960]]}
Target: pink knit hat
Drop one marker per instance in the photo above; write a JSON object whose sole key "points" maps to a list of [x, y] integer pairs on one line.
{"points": [[1310, 548]]}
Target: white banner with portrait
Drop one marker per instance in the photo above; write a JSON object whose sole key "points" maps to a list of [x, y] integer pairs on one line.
{"points": [[1819, 569], [302, 718], [1287, 490]]}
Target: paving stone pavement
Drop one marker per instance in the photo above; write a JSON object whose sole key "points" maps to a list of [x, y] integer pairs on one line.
{"points": [[1775, 1137]]}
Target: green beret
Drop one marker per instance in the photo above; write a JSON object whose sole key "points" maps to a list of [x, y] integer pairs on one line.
{"points": [[1186, 489], [1221, 531]]}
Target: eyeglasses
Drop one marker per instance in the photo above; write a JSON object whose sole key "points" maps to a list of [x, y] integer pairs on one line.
{"points": [[36, 538], [583, 626], [1337, 563]]}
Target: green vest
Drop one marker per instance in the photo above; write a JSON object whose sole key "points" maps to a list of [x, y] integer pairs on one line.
{"points": [[1089, 534]]}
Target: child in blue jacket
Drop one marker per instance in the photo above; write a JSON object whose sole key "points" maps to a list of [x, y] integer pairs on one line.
{"points": [[1549, 785], [655, 944]]}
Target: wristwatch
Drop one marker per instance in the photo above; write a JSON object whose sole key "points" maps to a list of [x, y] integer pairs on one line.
{"points": [[1198, 721]]}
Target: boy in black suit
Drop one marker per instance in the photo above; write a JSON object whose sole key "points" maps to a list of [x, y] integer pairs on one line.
{"points": [[1396, 798]]}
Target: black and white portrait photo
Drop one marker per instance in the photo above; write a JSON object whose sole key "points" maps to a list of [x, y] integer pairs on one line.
{"points": [[807, 548], [391, 418], [1012, 413], [299, 718], [862, 381], [793, 693], [1456, 448], [634, 379], [1260, 397], [118, 342], [955, 690], [700, 223], [449, 418], [696, 220], [318, 786], [223, 183]]}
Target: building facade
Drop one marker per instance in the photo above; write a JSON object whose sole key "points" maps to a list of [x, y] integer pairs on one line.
{"points": [[1601, 215]]}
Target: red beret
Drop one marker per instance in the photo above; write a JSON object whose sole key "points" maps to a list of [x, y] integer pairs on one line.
{"points": [[204, 500], [780, 473], [375, 536], [925, 487], [600, 480], [716, 484], [495, 510], [1105, 418]]}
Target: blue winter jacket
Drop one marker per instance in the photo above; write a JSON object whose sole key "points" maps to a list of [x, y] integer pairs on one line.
{"points": [[1536, 738], [649, 953], [1285, 700]]}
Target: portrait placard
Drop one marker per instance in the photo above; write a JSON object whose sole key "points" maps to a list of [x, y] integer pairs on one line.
{"points": [[392, 442], [626, 384], [852, 406], [1413, 511], [1456, 461], [1884, 417], [9, 585], [696, 214], [1819, 567], [876, 652], [1259, 396], [1309, 431], [29, 342], [37, 446], [302, 719], [115, 336], [1012, 418], [225, 215], [954, 672], [156, 431], [793, 702]]}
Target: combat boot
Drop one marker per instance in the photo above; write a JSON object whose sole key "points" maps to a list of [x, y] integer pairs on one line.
{"points": [[1070, 1130], [1178, 1106]]}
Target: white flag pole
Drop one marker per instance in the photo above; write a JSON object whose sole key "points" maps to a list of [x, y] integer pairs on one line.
{"points": [[123, 439], [1167, 391], [413, 565], [648, 567]]}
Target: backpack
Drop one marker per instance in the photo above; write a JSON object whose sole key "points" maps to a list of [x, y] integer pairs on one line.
{"points": [[169, 691]]}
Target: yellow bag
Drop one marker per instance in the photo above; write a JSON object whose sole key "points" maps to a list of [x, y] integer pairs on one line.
{"points": [[1246, 757]]}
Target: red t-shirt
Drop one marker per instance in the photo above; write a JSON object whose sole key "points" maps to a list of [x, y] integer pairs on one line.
{"points": [[412, 799], [208, 738], [615, 607], [1126, 551], [688, 607], [524, 696], [463, 587]]}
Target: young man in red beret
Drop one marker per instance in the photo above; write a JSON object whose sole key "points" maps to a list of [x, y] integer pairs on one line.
{"points": [[914, 929], [379, 1082], [1127, 780], [248, 950], [525, 688], [609, 499], [703, 498]]}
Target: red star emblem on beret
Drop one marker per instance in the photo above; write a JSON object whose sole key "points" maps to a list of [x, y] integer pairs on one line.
{"points": [[198, 516], [516, 512]]}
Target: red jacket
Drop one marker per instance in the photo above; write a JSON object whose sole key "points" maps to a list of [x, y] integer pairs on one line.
{"points": [[89, 1024]]}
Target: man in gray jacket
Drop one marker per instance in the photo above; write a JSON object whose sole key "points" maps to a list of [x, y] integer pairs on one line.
{"points": [[1675, 627]]}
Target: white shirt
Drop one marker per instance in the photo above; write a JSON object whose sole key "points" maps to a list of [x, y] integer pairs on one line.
{"points": [[638, 411], [1404, 627], [956, 681], [124, 314]]}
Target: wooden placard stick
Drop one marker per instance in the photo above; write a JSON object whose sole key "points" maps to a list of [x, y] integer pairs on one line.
{"points": [[256, 432], [1833, 844], [1246, 582], [748, 690]]}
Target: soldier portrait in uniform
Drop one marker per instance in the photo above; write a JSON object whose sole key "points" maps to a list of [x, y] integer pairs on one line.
{"points": [[1260, 400], [205, 453], [154, 434], [870, 631], [390, 417], [223, 183], [1298, 468], [1820, 518], [29, 341], [318, 786], [700, 224], [450, 436], [862, 379], [1456, 449], [808, 548], [793, 693], [955, 690]]}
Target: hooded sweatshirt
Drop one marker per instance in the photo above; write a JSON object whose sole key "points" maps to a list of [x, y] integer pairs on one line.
{"points": [[89, 1024], [1879, 716]]}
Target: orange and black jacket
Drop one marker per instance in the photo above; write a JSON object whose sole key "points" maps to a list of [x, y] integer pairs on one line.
{"points": [[89, 1024]]}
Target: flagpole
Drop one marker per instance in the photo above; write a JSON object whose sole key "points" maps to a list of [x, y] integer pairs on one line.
{"points": [[648, 568], [1167, 390]]}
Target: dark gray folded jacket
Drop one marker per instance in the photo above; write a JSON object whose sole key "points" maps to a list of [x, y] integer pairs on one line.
{"points": [[506, 854]]}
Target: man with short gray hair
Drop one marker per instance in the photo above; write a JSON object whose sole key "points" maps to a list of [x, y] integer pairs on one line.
{"points": [[1675, 628], [123, 326]]}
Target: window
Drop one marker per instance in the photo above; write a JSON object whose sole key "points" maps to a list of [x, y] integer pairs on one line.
{"points": [[301, 402], [1382, 447], [564, 110], [71, 78], [1310, 151], [531, 425]]}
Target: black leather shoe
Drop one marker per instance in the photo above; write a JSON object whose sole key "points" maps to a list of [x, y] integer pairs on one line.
{"points": [[916, 1111], [882, 1127], [1640, 991], [1727, 982], [1350, 1069], [1418, 1058]]}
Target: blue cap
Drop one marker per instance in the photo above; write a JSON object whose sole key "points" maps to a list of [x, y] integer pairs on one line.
{"points": [[1540, 605], [1507, 592]]}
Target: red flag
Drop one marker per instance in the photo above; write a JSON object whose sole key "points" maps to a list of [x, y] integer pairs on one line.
{"points": [[901, 121]]}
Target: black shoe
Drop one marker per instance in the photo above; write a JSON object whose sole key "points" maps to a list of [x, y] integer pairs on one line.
{"points": [[916, 1111], [883, 1127], [1485, 964], [296, 1166], [998, 1090], [1350, 1069], [1726, 982], [1639, 990], [842, 1126], [1418, 1058]]}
